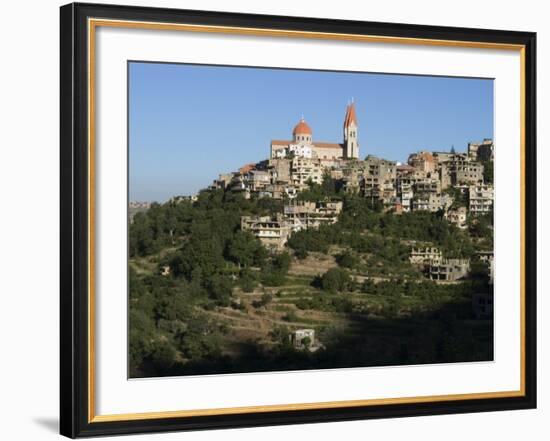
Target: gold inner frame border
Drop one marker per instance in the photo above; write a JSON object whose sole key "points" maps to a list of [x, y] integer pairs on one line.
{"points": [[92, 26]]}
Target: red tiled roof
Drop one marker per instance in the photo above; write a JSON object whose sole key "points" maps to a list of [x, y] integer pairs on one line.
{"points": [[405, 167], [301, 128], [350, 117], [426, 156], [246, 168], [280, 142], [327, 145]]}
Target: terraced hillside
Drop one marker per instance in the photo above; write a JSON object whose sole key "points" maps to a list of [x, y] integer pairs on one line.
{"points": [[206, 297]]}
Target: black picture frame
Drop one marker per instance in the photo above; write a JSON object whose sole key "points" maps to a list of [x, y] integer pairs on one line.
{"points": [[74, 325]]}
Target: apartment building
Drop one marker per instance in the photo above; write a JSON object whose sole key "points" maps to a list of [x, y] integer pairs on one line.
{"points": [[480, 198]]}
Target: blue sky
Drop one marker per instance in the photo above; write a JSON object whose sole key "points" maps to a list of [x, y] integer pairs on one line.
{"points": [[190, 123]]}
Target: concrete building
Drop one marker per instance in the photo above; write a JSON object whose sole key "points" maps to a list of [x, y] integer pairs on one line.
{"points": [[423, 256], [483, 151], [467, 173], [423, 161], [458, 217], [448, 270], [273, 233], [304, 169], [403, 173], [458, 169], [303, 339], [280, 191], [303, 146], [481, 198], [278, 169], [427, 185], [441, 157], [223, 181], [302, 215], [352, 176], [432, 202], [406, 194], [239, 184], [379, 176], [257, 180]]}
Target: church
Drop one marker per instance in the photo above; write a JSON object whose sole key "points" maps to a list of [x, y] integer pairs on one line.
{"points": [[302, 144]]}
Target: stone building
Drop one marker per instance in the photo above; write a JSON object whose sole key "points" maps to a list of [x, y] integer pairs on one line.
{"points": [[303, 146], [480, 198]]}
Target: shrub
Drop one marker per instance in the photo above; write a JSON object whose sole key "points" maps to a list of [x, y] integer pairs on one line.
{"points": [[336, 279], [347, 260]]}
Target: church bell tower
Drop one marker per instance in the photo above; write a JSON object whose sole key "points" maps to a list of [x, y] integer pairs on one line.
{"points": [[351, 143]]}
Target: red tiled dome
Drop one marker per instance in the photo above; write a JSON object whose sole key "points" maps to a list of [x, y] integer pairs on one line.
{"points": [[426, 156], [302, 128]]}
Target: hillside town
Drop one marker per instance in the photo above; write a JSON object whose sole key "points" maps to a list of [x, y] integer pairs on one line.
{"points": [[457, 185], [317, 258]]}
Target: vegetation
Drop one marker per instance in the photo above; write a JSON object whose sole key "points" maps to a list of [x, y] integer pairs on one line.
{"points": [[227, 305], [488, 172]]}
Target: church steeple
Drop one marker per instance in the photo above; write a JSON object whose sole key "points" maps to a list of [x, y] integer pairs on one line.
{"points": [[351, 143]]}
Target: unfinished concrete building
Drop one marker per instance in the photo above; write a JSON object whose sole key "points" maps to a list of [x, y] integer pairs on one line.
{"points": [[448, 270], [481, 151], [481, 198], [273, 233], [302, 215], [422, 256], [458, 217], [432, 202]]}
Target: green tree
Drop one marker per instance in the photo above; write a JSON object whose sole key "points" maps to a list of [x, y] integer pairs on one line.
{"points": [[203, 254], [336, 279], [306, 342], [244, 249], [488, 172], [281, 262], [220, 289], [347, 259]]}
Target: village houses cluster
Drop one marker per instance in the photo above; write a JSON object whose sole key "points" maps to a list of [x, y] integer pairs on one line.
{"points": [[428, 181]]}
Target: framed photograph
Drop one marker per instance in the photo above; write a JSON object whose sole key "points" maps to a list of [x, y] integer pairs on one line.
{"points": [[276, 220]]}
